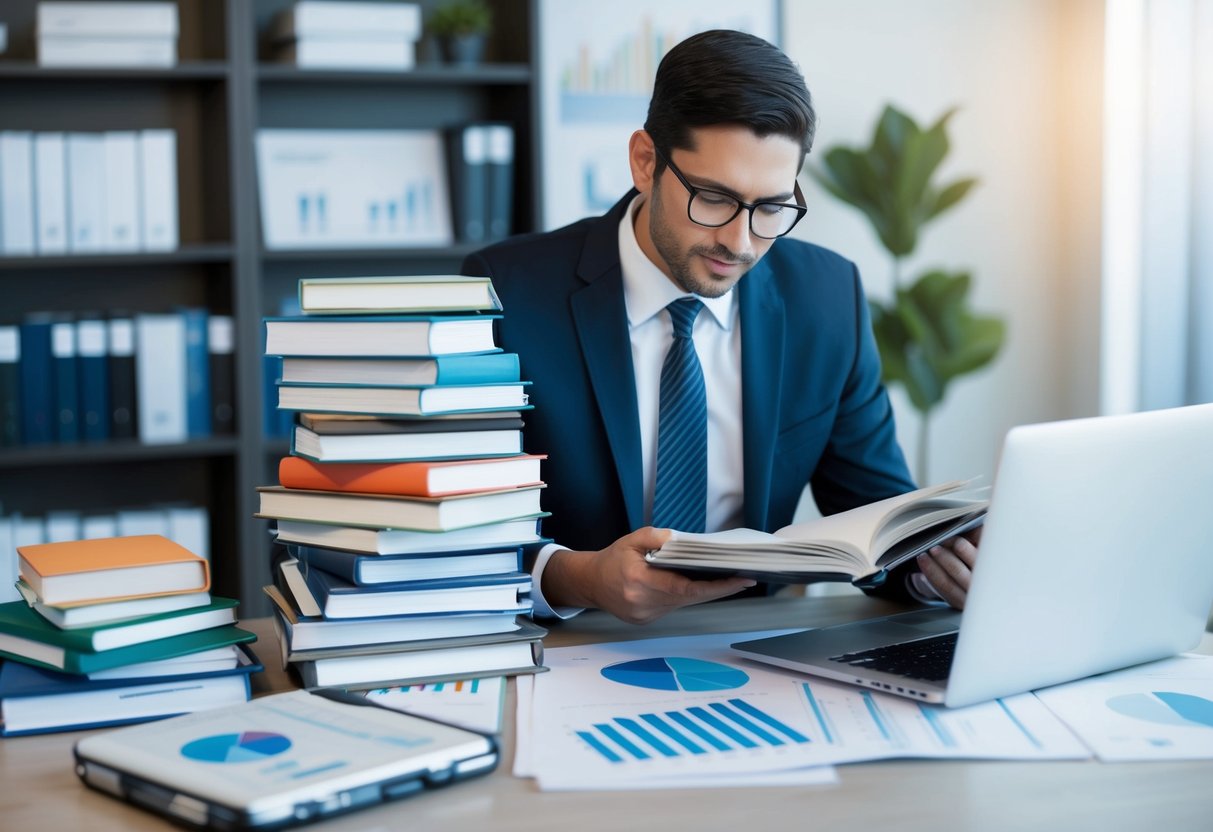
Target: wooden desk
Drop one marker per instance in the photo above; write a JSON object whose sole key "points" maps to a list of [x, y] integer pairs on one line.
{"points": [[40, 792]]}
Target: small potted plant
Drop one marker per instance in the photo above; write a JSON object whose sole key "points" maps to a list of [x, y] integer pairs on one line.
{"points": [[462, 26]]}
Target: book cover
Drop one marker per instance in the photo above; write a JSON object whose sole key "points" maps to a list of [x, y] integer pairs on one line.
{"points": [[115, 567], [410, 294], [158, 188], [402, 336], [71, 661], [69, 618], [404, 446], [93, 363], [394, 512], [369, 570], [122, 230], [18, 620], [124, 413], [480, 368], [372, 541], [37, 371], [481, 593], [67, 391], [161, 378], [421, 479]]}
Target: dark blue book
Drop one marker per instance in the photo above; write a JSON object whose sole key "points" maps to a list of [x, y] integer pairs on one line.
{"points": [[124, 408], [38, 420], [338, 598], [36, 700], [92, 361], [10, 386], [365, 570], [197, 374]]}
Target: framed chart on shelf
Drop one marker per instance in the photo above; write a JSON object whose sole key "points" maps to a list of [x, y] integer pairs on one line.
{"points": [[352, 189], [598, 62]]}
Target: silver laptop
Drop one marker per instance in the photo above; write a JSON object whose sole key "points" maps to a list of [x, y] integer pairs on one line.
{"points": [[1097, 554]]}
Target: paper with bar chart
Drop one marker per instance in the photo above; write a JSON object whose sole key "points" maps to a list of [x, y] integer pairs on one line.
{"points": [[686, 711], [475, 704], [1157, 711]]}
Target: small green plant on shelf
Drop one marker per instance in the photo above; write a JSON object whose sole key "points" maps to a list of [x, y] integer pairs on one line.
{"points": [[462, 27], [927, 334]]}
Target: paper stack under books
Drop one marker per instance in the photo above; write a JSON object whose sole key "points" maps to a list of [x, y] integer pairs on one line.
{"points": [[407, 499], [116, 630]]}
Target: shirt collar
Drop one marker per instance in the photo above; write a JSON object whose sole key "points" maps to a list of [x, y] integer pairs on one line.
{"points": [[646, 289]]}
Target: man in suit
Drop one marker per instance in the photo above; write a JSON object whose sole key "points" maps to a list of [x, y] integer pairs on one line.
{"points": [[691, 367]]}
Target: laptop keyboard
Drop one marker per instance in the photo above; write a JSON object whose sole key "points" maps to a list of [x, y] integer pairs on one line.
{"points": [[929, 659]]}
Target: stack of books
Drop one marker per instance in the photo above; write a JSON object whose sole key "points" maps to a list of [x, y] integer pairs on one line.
{"points": [[407, 499], [320, 34], [116, 630], [107, 34]]}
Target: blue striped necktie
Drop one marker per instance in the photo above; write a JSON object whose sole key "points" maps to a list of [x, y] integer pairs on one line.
{"points": [[681, 494]]}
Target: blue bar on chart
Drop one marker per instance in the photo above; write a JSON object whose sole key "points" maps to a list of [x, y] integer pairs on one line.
{"points": [[698, 730], [931, 715], [822, 720]]}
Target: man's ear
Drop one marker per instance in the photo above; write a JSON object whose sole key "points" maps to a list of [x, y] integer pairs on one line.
{"points": [[643, 159]]}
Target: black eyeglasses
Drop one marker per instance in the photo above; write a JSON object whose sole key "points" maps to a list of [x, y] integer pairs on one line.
{"points": [[713, 209]]}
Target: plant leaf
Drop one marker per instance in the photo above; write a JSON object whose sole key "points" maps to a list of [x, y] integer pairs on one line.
{"points": [[950, 195]]}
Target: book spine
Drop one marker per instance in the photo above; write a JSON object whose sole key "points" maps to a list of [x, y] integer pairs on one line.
{"points": [[490, 368], [220, 344], [500, 180], [8, 560], [124, 414], [94, 380], [197, 374], [468, 152], [161, 378], [158, 186], [123, 226], [16, 193], [37, 383], [409, 480], [86, 192], [10, 391], [341, 564], [50, 179], [67, 393]]}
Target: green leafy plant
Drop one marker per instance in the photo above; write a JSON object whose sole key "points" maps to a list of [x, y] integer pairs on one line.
{"points": [[927, 334], [461, 17]]}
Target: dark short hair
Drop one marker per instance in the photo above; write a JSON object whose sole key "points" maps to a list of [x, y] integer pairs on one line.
{"points": [[723, 76]]}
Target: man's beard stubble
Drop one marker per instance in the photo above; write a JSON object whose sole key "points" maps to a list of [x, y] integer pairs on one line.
{"points": [[666, 243]]}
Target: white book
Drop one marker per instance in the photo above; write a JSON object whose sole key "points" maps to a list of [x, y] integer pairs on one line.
{"points": [[50, 192], [92, 18], [349, 53], [158, 189], [85, 192], [16, 193], [123, 225], [189, 527], [140, 521], [97, 526], [328, 18], [106, 51], [62, 526], [160, 378], [8, 561]]}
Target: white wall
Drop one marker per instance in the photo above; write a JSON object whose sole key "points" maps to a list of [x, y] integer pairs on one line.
{"points": [[1027, 75]]}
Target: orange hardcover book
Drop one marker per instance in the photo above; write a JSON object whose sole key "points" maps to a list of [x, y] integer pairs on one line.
{"points": [[90, 571], [412, 479]]}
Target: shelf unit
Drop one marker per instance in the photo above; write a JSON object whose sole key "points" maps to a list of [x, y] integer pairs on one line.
{"points": [[223, 90]]}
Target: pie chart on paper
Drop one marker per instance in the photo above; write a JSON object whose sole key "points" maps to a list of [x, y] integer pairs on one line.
{"points": [[676, 673], [246, 747]]}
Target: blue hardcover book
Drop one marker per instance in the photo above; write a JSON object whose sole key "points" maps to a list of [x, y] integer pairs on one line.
{"points": [[478, 368], [482, 593], [198, 374], [36, 700], [92, 361], [67, 393], [369, 570], [38, 423]]}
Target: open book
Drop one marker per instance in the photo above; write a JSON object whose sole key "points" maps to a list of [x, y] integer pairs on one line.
{"points": [[860, 545]]}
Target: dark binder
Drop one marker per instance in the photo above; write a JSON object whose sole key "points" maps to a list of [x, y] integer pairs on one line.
{"points": [[221, 346], [92, 361], [10, 386], [124, 421], [37, 381], [67, 393], [466, 157], [198, 374], [500, 180]]}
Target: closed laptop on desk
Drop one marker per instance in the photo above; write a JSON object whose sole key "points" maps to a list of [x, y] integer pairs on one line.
{"points": [[1097, 554]]}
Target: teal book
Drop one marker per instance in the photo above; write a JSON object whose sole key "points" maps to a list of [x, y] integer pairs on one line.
{"points": [[17, 619], [57, 657], [479, 368]]}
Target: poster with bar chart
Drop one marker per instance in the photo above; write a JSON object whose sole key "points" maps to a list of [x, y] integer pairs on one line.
{"points": [[1157, 711], [687, 711], [599, 60]]}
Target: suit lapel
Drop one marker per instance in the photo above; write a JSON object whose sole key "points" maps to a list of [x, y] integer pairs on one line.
{"points": [[600, 316], [762, 325]]}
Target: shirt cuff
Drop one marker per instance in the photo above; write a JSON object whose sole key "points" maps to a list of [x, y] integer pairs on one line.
{"points": [[919, 586], [542, 608]]}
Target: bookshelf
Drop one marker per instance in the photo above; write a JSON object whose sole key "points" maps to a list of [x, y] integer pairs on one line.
{"points": [[222, 91]]}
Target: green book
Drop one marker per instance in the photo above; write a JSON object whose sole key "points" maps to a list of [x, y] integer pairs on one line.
{"points": [[19, 620], [50, 647]]}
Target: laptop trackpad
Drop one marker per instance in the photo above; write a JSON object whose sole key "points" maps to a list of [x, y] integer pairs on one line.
{"points": [[942, 620]]}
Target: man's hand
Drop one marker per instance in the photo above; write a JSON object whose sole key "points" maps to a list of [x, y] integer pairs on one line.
{"points": [[949, 567], [619, 580]]}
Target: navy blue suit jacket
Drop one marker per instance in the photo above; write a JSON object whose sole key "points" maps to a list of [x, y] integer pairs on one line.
{"points": [[814, 410]]}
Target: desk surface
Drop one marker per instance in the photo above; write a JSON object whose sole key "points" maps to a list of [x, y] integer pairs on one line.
{"points": [[40, 791]]}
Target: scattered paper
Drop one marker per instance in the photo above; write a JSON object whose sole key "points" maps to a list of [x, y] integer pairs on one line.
{"points": [[475, 704]]}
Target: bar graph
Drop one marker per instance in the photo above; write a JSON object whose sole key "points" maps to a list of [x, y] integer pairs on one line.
{"points": [[468, 686], [710, 728]]}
